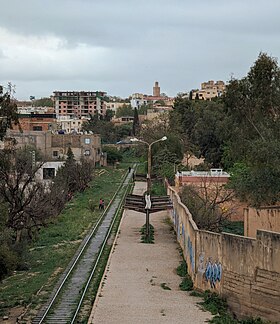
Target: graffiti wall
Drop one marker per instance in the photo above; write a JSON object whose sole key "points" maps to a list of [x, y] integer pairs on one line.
{"points": [[244, 270]]}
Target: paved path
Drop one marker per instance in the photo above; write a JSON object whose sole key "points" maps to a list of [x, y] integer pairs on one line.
{"points": [[131, 292]]}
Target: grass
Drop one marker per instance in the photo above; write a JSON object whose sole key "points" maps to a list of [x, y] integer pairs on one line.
{"points": [[182, 271], [56, 244], [158, 188], [218, 306], [95, 283], [144, 238]]}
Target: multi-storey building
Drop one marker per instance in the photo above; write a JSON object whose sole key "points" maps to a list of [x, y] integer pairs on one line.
{"points": [[70, 125], [209, 90], [54, 147], [79, 103], [36, 122]]}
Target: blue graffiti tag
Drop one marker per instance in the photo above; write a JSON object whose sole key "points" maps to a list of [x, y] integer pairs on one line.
{"points": [[213, 273], [191, 253]]}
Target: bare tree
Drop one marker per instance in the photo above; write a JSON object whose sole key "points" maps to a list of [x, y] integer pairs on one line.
{"points": [[28, 201], [210, 204]]}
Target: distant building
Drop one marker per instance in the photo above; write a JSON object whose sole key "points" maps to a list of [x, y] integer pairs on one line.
{"points": [[209, 90], [79, 103], [114, 106], [197, 177], [54, 147], [157, 99], [70, 125], [138, 99], [156, 90], [36, 122]]}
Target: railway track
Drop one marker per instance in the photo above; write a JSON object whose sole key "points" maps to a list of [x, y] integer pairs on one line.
{"points": [[67, 297]]}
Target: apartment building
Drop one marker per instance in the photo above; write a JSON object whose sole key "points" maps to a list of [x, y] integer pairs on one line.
{"points": [[70, 125], [36, 122], [54, 147], [77, 104], [209, 90]]}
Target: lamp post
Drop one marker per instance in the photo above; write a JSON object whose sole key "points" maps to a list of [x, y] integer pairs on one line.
{"points": [[164, 138]]}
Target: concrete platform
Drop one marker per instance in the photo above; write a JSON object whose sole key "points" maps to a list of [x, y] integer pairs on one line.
{"points": [[132, 290]]}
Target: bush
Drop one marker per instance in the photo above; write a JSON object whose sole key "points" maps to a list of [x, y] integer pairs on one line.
{"points": [[8, 261], [113, 155]]}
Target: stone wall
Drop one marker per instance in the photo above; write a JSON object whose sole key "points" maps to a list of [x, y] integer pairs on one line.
{"points": [[244, 270], [265, 218]]}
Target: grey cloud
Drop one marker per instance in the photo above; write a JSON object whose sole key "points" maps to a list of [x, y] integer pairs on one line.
{"points": [[181, 43]]}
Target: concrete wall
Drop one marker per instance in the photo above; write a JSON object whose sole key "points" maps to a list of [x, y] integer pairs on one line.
{"points": [[265, 218], [244, 270]]}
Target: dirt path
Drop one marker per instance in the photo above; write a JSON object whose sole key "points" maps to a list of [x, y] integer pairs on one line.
{"points": [[132, 287]]}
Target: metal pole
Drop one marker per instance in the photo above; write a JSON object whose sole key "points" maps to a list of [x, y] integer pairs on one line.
{"points": [[149, 188]]}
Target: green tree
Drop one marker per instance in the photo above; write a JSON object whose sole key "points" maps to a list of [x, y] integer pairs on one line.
{"points": [[113, 155], [109, 115], [252, 106], [136, 123], [43, 102], [8, 111], [124, 111]]}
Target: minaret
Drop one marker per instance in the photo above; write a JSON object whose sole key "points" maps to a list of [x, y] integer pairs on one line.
{"points": [[156, 90]]}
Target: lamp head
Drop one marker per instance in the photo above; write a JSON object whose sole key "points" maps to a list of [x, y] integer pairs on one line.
{"points": [[134, 139], [164, 138]]}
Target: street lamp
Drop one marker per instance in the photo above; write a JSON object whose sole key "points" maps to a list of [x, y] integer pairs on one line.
{"points": [[164, 138]]}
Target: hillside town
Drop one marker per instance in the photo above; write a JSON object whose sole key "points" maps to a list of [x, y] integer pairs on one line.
{"points": [[139, 162]]}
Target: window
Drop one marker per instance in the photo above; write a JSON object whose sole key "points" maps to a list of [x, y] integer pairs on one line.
{"points": [[87, 153], [87, 140], [55, 153], [37, 128], [48, 173]]}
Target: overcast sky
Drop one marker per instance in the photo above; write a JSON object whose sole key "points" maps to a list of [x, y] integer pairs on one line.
{"points": [[123, 46]]}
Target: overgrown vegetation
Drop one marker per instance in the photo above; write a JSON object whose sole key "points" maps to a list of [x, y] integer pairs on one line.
{"points": [[49, 254], [239, 132], [8, 110], [144, 237], [96, 280], [158, 188], [182, 271], [211, 205]]}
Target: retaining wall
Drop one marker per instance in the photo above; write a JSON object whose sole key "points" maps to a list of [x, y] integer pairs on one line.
{"points": [[244, 270], [265, 218]]}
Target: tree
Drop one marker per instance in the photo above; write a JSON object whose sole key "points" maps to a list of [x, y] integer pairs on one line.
{"points": [[8, 111], [43, 102], [211, 205], [8, 258], [163, 153], [208, 134], [252, 107], [136, 123], [113, 155], [109, 115], [27, 199], [124, 111]]}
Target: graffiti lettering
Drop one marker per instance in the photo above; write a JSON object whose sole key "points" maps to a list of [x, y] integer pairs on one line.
{"points": [[191, 253], [213, 273]]}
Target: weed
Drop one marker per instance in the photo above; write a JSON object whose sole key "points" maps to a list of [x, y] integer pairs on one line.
{"points": [[144, 238], [186, 284], [196, 293], [182, 269], [214, 303], [60, 241]]}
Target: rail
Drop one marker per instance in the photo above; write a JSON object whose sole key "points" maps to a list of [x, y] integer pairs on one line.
{"points": [[74, 264]]}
